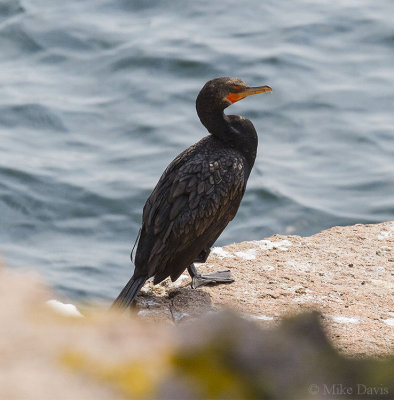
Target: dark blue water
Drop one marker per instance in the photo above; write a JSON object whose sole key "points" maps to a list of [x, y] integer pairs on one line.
{"points": [[97, 97]]}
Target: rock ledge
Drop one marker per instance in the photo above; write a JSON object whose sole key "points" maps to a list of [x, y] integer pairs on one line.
{"points": [[346, 273]]}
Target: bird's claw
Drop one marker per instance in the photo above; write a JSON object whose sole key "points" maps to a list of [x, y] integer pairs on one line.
{"points": [[211, 279]]}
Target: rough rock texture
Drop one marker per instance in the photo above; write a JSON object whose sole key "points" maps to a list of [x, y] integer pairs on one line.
{"points": [[347, 273], [105, 355]]}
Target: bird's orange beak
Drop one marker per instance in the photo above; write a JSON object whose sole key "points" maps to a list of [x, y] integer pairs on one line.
{"points": [[239, 93]]}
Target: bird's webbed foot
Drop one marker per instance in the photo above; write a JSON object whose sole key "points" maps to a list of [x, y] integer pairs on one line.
{"points": [[207, 279]]}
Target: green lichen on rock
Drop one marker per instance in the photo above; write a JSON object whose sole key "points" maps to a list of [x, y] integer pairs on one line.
{"points": [[224, 356], [131, 379]]}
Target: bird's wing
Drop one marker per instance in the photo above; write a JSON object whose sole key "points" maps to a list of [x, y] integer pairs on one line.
{"points": [[192, 198]]}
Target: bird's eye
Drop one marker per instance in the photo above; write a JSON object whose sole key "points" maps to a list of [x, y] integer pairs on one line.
{"points": [[235, 89]]}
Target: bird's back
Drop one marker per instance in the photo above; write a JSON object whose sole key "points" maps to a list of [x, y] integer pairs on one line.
{"points": [[196, 197]]}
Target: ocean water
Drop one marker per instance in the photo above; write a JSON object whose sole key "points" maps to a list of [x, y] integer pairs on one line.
{"points": [[97, 97]]}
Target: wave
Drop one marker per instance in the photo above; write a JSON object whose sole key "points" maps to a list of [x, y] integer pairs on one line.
{"points": [[32, 116]]}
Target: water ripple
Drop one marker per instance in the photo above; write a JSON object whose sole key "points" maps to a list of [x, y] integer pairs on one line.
{"points": [[34, 116], [98, 97]]}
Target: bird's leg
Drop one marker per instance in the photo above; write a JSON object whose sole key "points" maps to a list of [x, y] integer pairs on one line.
{"points": [[206, 279]]}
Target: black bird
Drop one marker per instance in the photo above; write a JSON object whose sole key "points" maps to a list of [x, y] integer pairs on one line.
{"points": [[198, 194]]}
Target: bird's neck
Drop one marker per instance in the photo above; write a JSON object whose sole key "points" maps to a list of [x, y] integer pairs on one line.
{"points": [[216, 123], [234, 131]]}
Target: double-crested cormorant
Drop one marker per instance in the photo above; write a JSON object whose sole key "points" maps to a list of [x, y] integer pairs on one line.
{"points": [[198, 194]]}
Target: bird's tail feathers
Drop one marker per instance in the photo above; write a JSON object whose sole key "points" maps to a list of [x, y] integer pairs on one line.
{"points": [[129, 292]]}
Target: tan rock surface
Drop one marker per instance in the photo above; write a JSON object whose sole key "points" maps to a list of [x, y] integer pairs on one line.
{"points": [[347, 273], [44, 355]]}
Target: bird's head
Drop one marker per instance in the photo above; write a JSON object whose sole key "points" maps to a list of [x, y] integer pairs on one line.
{"points": [[219, 93]]}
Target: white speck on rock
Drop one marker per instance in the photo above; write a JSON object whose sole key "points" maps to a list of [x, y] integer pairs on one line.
{"points": [[303, 299], [160, 289], [299, 266], [68, 310], [221, 253], [389, 321], [260, 317], [333, 297], [179, 281], [247, 255], [384, 235], [150, 303], [344, 320], [179, 316], [267, 267], [268, 245], [380, 270], [143, 313], [297, 287]]}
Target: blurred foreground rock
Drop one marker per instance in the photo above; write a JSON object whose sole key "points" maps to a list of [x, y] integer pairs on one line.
{"points": [[44, 355], [179, 344]]}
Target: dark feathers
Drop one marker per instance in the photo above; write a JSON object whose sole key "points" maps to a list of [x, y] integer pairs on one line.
{"points": [[198, 194], [194, 200]]}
